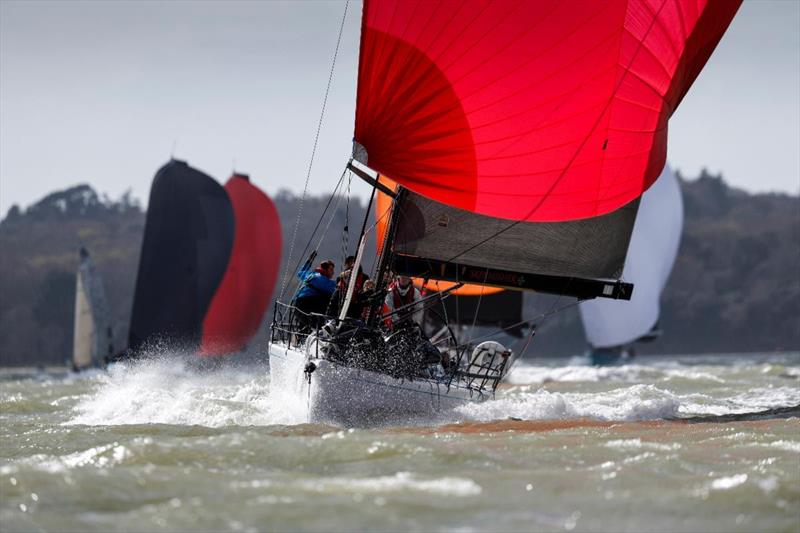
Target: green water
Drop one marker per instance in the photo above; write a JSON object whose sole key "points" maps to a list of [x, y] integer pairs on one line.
{"points": [[158, 447]]}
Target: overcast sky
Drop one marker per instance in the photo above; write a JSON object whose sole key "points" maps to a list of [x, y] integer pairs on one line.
{"points": [[104, 92]]}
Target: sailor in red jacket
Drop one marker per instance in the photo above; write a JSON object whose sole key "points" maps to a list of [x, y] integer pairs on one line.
{"points": [[402, 293]]}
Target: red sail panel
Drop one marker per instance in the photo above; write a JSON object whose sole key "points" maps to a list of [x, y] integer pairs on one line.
{"points": [[239, 304], [528, 110]]}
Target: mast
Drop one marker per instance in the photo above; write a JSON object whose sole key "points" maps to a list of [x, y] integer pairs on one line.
{"points": [[384, 259], [360, 252]]}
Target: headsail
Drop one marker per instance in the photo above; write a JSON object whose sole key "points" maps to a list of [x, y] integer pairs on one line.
{"points": [[239, 303], [91, 339], [187, 243], [651, 255], [542, 111]]}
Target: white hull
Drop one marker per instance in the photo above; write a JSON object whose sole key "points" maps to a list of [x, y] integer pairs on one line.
{"points": [[350, 397]]}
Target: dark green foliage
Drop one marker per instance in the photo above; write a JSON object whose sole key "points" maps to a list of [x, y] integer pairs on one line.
{"points": [[735, 287], [55, 299], [38, 260]]}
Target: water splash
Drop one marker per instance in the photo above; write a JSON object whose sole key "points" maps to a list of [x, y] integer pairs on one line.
{"points": [[170, 390]]}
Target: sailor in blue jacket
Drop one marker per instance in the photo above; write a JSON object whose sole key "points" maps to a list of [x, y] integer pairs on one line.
{"points": [[315, 292]]}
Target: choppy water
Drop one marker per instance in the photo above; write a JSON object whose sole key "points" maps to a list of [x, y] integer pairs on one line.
{"points": [[157, 446]]}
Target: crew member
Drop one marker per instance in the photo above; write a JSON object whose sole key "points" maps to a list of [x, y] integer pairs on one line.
{"points": [[339, 296], [314, 294], [402, 294]]}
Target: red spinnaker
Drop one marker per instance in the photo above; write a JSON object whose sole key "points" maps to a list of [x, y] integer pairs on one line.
{"points": [[539, 110], [241, 299]]}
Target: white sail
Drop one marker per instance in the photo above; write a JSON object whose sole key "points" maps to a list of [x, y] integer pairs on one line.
{"points": [[651, 255], [91, 335]]}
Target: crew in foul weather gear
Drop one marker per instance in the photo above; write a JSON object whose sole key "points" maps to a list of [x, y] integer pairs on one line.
{"points": [[315, 293], [357, 301]]}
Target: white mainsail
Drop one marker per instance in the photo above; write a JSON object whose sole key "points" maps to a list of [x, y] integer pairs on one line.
{"points": [[91, 335], [651, 255]]}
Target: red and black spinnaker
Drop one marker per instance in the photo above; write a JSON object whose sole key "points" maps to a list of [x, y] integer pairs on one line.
{"points": [[209, 262]]}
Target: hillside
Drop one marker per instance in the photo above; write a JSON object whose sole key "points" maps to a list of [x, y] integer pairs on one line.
{"points": [[735, 287]]}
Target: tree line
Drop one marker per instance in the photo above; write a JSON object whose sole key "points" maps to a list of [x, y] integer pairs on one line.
{"points": [[735, 286]]}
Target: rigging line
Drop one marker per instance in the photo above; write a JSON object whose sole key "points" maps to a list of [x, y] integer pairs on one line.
{"points": [[520, 352], [319, 222], [579, 149], [330, 221], [314, 149], [478, 306], [522, 323], [544, 317]]}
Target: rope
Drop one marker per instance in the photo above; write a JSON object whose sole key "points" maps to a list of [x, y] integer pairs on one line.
{"points": [[544, 315], [319, 221], [313, 150]]}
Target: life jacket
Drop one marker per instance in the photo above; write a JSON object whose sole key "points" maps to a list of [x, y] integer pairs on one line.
{"points": [[360, 279], [399, 300]]}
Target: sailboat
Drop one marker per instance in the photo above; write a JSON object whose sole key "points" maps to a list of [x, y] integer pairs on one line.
{"points": [[188, 238], [514, 140], [613, 330], [92, 338], [240, 301], [208, 265]]}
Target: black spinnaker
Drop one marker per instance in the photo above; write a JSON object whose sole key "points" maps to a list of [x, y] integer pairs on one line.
{"points": [[187, 244]]}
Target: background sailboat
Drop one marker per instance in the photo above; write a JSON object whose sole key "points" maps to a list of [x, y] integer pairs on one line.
{"points": [[92, 332], [612, 327], [238, 306], [209, 262], [187, 244]]}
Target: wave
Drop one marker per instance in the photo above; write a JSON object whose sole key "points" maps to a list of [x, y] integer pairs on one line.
{"points": [[168, 389]]}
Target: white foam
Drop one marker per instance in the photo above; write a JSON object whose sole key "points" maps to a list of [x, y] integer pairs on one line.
{"points": [[639, 444], [536, 375], [728, 482], [786, 445], [98, 457], [401, 481], [638, 402], [165, 391]]}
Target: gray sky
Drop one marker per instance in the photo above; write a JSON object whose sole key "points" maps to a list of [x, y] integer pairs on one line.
{"points": [[100, 92]]}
